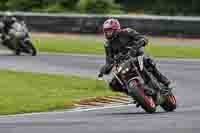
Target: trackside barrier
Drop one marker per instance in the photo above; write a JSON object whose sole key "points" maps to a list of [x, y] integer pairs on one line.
{"points": [[85, 23]]}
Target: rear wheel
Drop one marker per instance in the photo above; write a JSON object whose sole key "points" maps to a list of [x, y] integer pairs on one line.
{"points": [[17, 49], [169, 103], [33, 50], [29, 48], [146, 102]]}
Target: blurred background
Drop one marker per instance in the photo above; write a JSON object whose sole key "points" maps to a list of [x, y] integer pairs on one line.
{"points": [[161, 7], [75, 27], [177, 18]]}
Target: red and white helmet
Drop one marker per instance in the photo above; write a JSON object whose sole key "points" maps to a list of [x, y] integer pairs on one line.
{"points": [[111, 24]]}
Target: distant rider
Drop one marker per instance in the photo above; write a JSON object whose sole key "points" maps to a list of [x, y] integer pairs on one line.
{"points": [[6, 27]]}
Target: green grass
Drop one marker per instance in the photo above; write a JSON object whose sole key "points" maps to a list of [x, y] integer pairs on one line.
{"points": [[173, 51], [81, 46], [92, 46], [27, 92]]}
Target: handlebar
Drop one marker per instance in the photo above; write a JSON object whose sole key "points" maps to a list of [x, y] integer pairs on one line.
{"points": [[120, 57]]}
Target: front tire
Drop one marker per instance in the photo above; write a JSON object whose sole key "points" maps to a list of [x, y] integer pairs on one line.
{"points": [[137, 91]]}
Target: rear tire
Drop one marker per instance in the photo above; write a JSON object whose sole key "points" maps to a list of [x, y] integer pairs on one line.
{"points": [[33, 49], [146, 102], [169, 103], [30, 48]]}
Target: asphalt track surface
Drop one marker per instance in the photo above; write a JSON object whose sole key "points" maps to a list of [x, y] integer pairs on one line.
{"points": [[127, 119]]}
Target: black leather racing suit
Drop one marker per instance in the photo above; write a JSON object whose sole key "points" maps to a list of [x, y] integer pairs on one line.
{"points": [[122, 39]]}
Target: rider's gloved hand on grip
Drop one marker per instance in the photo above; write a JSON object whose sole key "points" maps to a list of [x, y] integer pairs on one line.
{"points": [[100, 75]]}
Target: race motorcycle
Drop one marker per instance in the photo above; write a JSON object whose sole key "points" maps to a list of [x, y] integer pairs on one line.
{"points": [[19, 40], [134, 79]]}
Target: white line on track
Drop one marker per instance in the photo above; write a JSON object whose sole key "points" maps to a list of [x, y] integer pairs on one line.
{"points": [[73, 110], [179, 109]]}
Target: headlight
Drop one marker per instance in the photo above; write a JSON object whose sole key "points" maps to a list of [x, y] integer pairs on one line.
{"points": [[125, 71]]}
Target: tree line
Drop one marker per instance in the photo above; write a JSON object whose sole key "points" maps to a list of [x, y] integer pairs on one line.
{"points": [[161, 7]]}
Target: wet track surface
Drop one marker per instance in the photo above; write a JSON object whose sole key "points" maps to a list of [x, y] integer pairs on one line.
{"points": [[127, 119]]}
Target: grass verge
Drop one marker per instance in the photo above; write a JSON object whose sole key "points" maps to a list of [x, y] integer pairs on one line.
{"points": [[92, 46], [23, 92]]}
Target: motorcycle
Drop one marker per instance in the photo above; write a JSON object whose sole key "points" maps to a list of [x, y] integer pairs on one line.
{"points": [[18, 40], [134, 79]]}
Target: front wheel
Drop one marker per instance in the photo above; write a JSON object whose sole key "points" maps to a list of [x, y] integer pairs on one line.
{"points": [[169, 103], [137, 92]]}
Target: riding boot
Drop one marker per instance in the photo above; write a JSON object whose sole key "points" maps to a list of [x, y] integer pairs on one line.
{"points": [[160, 77], [151, 67]]}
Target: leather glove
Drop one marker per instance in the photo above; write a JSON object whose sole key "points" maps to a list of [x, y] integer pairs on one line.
{"points": [[100, 75]]}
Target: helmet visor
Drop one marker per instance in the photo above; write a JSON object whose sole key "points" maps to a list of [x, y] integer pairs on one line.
{"points": [[107, 30]]}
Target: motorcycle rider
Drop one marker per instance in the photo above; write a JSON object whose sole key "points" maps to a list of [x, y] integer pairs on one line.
{"points": [[6, 29], [117, 40]]}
